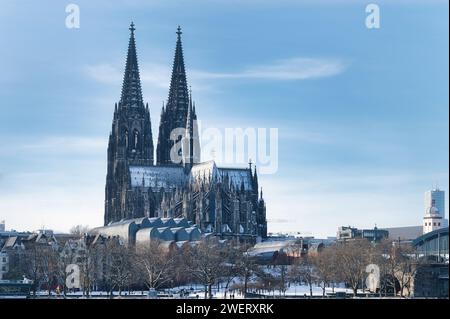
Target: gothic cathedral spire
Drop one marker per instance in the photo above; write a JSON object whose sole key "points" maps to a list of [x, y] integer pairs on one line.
{"points": [[178, 100], [191, 145], [130, 140], [131, 87], [176, 111]]}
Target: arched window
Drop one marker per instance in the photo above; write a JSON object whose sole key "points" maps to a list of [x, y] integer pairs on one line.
{"points": [[135, 139], [125, 137]]}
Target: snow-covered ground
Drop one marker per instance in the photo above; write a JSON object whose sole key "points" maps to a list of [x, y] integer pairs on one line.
{"points": [[197, 291], [301, 290]]}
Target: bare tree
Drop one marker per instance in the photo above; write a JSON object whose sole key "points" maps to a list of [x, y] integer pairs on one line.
{"points": [[266, 280], [241, 265], [67, 255], [325, 264], [205, 263], [155, 264], [387, 267], [353, 258], [398, 265], [40, 263], [119, 265], [403, 265], [303, 271], [282, 278], [31, 266], [232, 264], [180, 273], [246, 268], [79, 230], [48, 265], [87, 258]]}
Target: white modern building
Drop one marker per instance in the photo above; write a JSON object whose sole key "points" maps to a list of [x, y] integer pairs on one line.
{"points": [[434, 211], [435, 198]]}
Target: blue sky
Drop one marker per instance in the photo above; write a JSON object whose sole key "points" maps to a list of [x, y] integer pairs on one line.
{"points": [[362, 113]]}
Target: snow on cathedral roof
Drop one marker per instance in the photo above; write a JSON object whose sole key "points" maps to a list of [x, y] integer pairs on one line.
{"points": [[156, 177], [237, 176], [170, 177], [203, 170]]}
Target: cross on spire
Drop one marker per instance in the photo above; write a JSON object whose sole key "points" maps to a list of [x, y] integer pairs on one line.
{"points": [[132, 28], [179, 32]]}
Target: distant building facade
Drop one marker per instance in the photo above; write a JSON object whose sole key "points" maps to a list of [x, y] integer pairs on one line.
{"points": [[276, 251], [4, 264], [351, 233], [14, 247]]}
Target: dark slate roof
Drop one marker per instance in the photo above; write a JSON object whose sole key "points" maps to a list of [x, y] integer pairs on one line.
{"points": [[157, 176], [238, 176], [170, 176]]}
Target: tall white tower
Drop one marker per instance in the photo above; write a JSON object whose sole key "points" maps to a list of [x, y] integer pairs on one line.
{"points": [[434, 210], [436, 198]]}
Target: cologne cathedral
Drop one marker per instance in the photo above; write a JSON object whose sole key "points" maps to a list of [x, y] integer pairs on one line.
{"points": [[222, 201]]}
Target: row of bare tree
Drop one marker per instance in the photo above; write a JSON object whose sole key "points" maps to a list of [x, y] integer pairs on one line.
{"points": [[116, 267], [348, 263], [113, 266]]}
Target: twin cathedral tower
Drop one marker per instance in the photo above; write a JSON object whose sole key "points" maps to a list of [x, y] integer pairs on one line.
{"points": [[223, 201]]}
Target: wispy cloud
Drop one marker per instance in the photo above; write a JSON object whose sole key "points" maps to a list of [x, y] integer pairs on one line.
{"points": [[62, 145], [103, 73], [157, 75], [152, 74], [286, 70], [75, 143]]}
